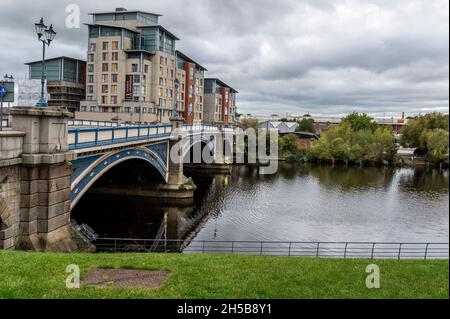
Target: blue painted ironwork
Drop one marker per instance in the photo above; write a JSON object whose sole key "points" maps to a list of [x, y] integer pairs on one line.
{"points": [[97, 168]]}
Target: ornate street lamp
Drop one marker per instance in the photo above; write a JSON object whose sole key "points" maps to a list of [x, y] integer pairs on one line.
{"points": [[46, 36]]}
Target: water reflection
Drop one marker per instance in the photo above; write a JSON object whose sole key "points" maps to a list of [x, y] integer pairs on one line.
{"points": [[300, 203]]}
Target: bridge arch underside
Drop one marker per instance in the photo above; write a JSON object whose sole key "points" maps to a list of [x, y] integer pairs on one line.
{"points": [[132, 166]]}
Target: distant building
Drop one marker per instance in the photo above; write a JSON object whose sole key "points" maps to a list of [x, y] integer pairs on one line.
{"points": [[191, 76], [220, 102], [65, 80]]}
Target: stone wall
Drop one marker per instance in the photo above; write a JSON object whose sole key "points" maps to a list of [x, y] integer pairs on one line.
{"points": [[10, 152]]}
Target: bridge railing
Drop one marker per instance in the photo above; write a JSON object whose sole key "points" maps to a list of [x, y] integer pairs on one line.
{"points": [[80, 138], [94, 123], [343, 250], [200, 128]]}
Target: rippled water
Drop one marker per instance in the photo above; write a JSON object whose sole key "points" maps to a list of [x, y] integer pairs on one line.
{"points": [[300, 203]]}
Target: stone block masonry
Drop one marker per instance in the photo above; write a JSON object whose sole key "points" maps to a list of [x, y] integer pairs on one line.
{"points": [[35, 173]]}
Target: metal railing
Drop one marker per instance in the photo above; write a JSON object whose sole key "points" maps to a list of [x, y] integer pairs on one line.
{"points": [[343, 250], [80, 138], [94, 123]]}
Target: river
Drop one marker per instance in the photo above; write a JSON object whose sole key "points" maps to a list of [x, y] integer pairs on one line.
{"points": [[299, 203]]}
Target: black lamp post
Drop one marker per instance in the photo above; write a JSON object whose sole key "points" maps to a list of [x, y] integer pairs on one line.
{"points": [[46, 36]]}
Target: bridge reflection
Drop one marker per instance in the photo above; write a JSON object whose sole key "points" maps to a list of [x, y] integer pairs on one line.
{"points": [[173, 223]]}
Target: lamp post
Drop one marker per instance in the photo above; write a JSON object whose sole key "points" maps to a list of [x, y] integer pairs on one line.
{"points": [[3, 92], [46, 36]]}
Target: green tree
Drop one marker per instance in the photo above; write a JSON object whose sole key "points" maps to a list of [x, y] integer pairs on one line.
{"points": [[288, 144], [437, 144], [249, 123], [360, 122], [415, 132], [306, 125]]}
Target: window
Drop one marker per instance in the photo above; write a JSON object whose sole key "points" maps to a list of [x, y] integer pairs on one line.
{"points": [[105, 46], [105, 78], [114, 99], [105, 109], [93, 47], [114, 78], [161, 92], [90, 78], [136, 99], [114, 88], [90, 58], [191, 73], [90, 89], [104, 89], [191, 91], [83, 108], [161, 81], [136, 79], [171, 73], [114, 67], [115, 45], [105, 56], [161, 71], [127, 109], [134, 67], [226, 97], [161, 60], [105, 67], [146, 68], [115, 56], [137, 110], [104, 99], [90, 68], [93, 108]]}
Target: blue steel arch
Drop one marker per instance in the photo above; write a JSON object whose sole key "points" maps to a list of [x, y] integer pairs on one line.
{"points": [[101, 165]]}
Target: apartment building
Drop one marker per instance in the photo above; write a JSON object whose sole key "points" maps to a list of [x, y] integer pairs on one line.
{"points": [[66, 80], [219, 102], [191, 78], [131, 68]]}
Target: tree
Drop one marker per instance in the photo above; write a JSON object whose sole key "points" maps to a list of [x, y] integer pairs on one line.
{"points": [[250, 123], [437, 144], [306, 125], [288, 143], [415, 132], [360, 122]]}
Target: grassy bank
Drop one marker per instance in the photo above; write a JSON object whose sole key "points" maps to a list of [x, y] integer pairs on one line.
{"points": [[37, 275]]}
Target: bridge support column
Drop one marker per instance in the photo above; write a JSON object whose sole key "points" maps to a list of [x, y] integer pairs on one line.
{"points": [[176, 181], [222, 162], [44, 215]]}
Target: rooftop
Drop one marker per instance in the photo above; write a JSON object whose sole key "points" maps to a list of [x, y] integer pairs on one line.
{"points": [[123, 10], [222, 84], [56, 58], [188, 59], [160, 27]]}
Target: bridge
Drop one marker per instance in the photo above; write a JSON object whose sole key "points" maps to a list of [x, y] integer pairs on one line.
{"points": [[48, 162]]}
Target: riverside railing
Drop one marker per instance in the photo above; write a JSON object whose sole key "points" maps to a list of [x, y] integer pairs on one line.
{"points": [[343, 250], [80, 138]]}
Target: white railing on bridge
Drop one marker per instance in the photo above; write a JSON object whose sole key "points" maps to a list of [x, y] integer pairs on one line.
{"points": [[93, 123], [80, 138]]}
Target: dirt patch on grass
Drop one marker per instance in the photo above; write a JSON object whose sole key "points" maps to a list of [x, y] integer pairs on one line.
{"points": [[125, 278]]}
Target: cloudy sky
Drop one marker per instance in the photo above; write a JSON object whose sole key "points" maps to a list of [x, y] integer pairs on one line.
{"points": [[284, 57]]}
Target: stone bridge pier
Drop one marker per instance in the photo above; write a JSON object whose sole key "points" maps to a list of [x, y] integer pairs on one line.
{"points": [[35, 172]]}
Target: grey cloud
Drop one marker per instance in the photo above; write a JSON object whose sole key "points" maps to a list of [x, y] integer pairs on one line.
{"points": [[317, 56]]}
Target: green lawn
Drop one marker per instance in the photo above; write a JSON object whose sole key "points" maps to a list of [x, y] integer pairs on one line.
{"points": [[38, 275]]}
